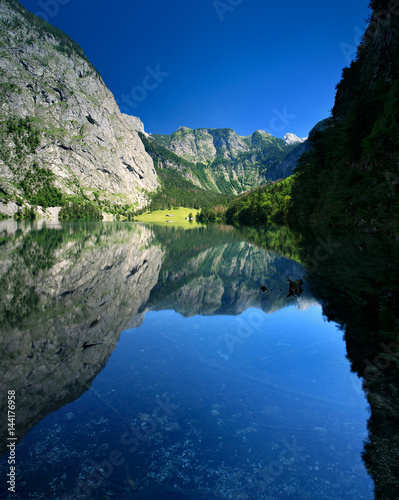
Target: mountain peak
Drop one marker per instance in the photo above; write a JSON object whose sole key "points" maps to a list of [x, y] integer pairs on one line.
{"points": [[261, 132], [290, 139]]}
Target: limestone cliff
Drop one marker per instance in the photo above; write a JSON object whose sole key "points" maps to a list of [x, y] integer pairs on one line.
{"points": [[224, 161], [71, 123], [207, 144]]}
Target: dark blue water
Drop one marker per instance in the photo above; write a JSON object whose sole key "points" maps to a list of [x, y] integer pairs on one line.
{"points": [[213, 388]]}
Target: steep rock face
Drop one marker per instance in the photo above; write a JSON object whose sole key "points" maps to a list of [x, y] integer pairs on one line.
{"points": [[204, 145], [82, 136], [287, 166], [289, 163], [194, 145], [134, 122], [83, 286], [224, 161]]}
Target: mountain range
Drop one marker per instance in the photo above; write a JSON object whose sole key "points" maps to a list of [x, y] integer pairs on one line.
{"points": [[221, 160], [62, 133]]}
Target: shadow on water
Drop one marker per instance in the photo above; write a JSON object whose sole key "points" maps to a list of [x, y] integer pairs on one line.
{"points": [[356, 280]]}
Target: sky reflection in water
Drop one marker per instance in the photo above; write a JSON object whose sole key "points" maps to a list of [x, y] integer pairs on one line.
{"points": [[249, 405], [275, 413]]}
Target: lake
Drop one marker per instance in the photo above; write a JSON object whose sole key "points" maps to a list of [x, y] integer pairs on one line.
{"points": [[152, 361]]}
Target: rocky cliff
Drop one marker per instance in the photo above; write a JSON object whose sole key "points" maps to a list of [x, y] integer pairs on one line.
{"points": [[226, 162], [207, 144], [61, 129], [57, 114], [293, 139]]}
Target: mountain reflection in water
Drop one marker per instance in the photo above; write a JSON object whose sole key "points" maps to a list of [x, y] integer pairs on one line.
{"points": [[217, 396]]}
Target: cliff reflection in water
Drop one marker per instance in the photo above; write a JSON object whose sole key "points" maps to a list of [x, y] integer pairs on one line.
{"points": [[60, 288], [216, 271], [70, 284]]}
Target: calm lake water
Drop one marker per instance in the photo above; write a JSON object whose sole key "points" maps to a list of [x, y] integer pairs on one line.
{"points": [[220, 363]]}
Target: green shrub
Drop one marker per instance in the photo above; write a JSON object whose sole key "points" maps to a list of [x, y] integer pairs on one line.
{"points": [[77, 211]]}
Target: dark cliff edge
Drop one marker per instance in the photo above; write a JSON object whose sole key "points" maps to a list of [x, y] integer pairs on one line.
{"points": [[350, 178]]}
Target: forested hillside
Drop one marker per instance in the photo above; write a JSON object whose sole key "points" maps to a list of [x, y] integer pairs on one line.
{"points": [[264, 205], [351, 176]]}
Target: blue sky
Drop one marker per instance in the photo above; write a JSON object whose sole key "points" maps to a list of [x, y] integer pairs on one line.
{"points": [[240, 64]]}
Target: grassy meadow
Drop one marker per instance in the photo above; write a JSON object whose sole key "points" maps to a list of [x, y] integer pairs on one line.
{"points": [[160, 216]]}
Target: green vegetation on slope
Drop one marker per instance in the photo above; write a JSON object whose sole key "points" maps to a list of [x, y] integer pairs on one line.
{"points": [[66, 45], [265, 205], [167, 160], [39, 189], [234, 164], [19, 138], [175, 189], [24, 137], [76, 211], [351, 177]]}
